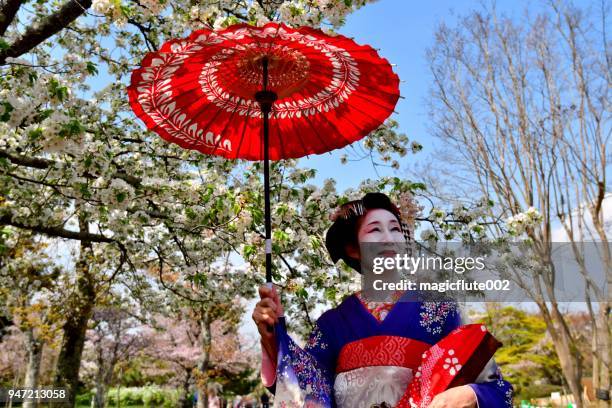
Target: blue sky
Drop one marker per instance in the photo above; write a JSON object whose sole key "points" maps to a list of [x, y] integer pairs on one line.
{"points": [[402, 30]]}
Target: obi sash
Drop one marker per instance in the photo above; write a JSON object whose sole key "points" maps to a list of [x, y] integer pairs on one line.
{"points": [[381, 351]]}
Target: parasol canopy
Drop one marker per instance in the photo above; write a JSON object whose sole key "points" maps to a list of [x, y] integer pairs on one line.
{"points": [[199, 92]]}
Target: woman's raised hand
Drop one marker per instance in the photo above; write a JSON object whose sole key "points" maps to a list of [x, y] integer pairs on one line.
{"points": [[266, 314]]}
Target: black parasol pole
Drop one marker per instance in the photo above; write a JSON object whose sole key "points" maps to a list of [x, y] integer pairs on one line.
{"points": [[265, 99]]}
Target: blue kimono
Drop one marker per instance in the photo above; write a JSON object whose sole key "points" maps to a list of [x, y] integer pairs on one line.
{"points": [[353, 360]]}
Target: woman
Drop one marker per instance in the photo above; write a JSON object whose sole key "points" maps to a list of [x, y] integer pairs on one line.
{"points": [[364, 354]]}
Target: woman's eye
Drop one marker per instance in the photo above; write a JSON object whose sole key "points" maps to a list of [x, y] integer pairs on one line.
{"points": [[375, 229], [395, 229]]}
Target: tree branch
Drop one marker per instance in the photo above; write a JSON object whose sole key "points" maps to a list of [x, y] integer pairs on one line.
{"points": [[41, 30], [33, 162], [151, 45], [56, 232], [236, 14], [40, 163], [7, 13]]}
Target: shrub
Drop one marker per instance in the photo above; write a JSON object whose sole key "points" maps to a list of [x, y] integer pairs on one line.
{"points": [[148, 396]]}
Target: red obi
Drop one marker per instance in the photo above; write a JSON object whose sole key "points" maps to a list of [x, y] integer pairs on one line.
{"points": [[381, 351]]}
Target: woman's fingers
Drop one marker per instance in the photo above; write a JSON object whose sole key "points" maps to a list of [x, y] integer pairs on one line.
{"points": [[456, 397], [265, 292], [268, 292], [267, 302], [277, 301], [270, 298], [264, 316], [265, 307], [436, 402], [267, 311], [274, 295]]}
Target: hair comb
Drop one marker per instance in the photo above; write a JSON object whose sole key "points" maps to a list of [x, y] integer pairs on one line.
{"points": [[349, 210]]}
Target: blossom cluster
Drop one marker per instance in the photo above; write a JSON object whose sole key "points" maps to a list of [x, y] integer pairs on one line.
{"points": [[111, 9], [520, 222], [325, 14]]}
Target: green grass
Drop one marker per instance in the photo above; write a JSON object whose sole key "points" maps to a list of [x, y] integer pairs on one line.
{"points": [[135, 397]]}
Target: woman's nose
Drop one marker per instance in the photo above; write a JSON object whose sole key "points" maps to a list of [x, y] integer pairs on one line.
{"points": [[388, 236]]}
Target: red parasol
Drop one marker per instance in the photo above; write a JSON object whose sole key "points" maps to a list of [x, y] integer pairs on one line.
{"points": [[261, 93], [456, 360]]}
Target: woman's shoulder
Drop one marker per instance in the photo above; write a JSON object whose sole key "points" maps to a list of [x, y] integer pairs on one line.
{"points": [[331, 316]]}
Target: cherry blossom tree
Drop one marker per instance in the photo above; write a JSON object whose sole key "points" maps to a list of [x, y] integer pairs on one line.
{"points": [[75, 164], [178, 342], [31, 298], [114, 337]]}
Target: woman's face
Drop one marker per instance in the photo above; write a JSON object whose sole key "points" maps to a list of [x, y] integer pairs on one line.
{"points": [[379, 225]]}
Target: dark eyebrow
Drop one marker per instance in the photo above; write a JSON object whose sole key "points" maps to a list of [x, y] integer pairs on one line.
{"points": [[378, 222]]}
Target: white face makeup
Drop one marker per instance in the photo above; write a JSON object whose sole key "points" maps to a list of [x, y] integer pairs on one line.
{"points": [[380, 225]]}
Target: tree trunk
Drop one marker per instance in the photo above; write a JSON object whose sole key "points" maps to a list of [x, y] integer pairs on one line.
{"points": [[595, 355], [5, 323], [204, 362], [100, 397], [603, 353], [602, 328], [34, 348], [79, 308], [569, 357], [103, 380], [184, 401]]}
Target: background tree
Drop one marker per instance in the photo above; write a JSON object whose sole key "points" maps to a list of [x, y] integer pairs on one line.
{"points": [[528, 352], [523, 112], [207, 295], [30, 296], [177, 345], [113, 338]]}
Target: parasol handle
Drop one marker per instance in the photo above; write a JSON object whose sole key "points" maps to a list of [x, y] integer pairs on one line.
{"points": [[264, 63], [266, 99], [269, 285]]}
